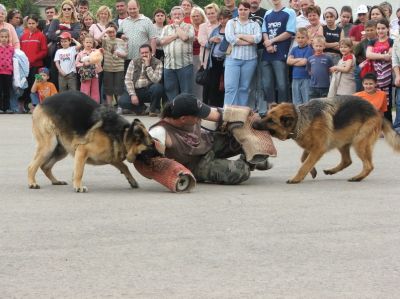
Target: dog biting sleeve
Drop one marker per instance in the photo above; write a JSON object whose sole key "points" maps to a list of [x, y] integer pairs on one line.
{"points": [[257, 145]]}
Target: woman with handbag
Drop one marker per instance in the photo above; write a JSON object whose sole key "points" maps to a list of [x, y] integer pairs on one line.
{"points": [[243, 34], [213, 92], [380, 52]]}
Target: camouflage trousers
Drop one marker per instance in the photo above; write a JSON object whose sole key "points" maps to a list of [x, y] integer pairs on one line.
{"points": [[214, 167]]}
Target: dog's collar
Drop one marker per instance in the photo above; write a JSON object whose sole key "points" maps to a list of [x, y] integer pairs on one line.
{"points": [[293, 135]]}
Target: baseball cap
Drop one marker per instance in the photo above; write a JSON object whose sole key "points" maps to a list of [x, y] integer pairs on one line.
{"points": [[362, 9], [187, 104], [65, 35], [44, 70]]}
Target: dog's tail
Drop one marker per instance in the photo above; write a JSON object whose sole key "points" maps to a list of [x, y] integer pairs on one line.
{"points": [[391, 136]]}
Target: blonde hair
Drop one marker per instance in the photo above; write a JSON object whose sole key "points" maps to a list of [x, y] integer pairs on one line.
{"points": [[319, 39], [74, 18], [104, 8], [212, 6], [302, 31], [200, 11], [346, 42]]}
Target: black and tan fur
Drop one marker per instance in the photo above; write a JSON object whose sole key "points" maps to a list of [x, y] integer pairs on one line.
{"points": [[324, 124], [72, 123]]}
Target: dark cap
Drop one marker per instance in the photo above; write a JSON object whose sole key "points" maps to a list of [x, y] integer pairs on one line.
{"points": [[187, 104]]}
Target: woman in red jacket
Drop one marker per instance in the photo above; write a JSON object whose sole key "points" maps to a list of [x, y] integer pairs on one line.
{"points": [[34, 44]]}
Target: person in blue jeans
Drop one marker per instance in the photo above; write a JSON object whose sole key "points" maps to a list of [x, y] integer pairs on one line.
{"points": [[243, 35], [278, 28], [298, 59]]}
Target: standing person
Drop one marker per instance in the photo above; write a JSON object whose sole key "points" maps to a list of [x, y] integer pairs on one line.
{"points": [[122, 12], [34, 45], [87, 21], [6, 70], [230, 4], [177, 41], [217, 44], [298, 59], [65, 62], [14, 17], [313, 14], [396, 70], [187, 6], [142, 82], [376, 13], [82, 8], [66, 21], [13, 37], [115, 51], [318, 66], [333, 34], [301, 19], [103, 16], [137, 30], [89, 72], [278, 28], [380, 52], [342, 82], [198, 17], [160, 20], [356, 31], [50, 12], [212, 11], [243, 35], [360, 51], [346, 20], [257, 97]]}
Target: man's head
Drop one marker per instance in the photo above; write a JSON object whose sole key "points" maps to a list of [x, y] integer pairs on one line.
{"points": [[83, 6], [187, 6], [304, 4], [177, 14], [187, 108], [50, 12], [121, 7], [369, 82], [254, 4], [133, 9], [230, 4], [362, 12], [145, 51]]}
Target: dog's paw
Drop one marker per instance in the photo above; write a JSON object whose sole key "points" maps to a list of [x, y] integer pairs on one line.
{"points": [[82, 189], [34, 186], [313, 173], [133, 184], [58, 183], [355, 179], [292, 181]]}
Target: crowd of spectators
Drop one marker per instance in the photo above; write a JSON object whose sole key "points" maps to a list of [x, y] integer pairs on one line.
{"points": [[253, 56]]}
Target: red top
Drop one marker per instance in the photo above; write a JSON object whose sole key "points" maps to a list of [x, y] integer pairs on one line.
{"points": [[35, 47], [6, 59], [348, 57], [355, 32]]}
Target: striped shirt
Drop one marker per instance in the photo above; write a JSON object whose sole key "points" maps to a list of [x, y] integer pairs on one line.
{"points": [[147, 76], [178, 53], [139, 31], [235, 27], [113, 63]]}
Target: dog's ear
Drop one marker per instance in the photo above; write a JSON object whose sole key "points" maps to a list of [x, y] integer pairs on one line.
{"points": [[287, 121], [272, 105]]}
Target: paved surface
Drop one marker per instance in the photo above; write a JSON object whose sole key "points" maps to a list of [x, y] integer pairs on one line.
{"points": [[324, 238]]}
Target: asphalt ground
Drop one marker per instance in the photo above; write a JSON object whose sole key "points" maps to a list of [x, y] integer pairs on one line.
{"points": [[323, 238]]}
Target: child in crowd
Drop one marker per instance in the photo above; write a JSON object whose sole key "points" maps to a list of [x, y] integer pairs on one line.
{"points": [[361, 49], [373, 95], [342, 81], [318, 66], [115, 50], [89, 72], [6, 70], [65, 62], [41, 88], [346, 19], [298, 59]]}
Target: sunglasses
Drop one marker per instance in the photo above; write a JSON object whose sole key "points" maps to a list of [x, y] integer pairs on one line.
{"points": [[67, 9]]}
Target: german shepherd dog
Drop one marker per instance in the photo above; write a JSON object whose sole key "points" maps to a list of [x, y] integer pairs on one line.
{"points": [[71, 122], [324, 124]]}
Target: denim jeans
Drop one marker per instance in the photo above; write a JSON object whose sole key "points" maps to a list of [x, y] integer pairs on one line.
{"points": [[316, 92], [300, 89], [256, 95], [178, 81], [238, 75], [275, 76], [151, 94]]}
